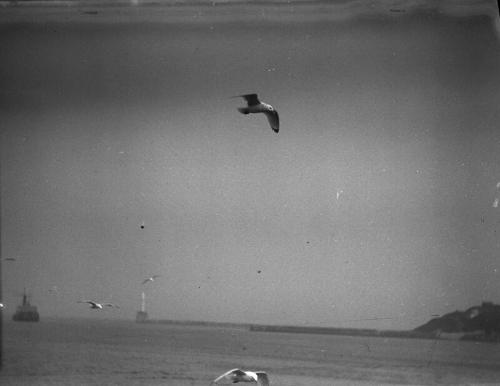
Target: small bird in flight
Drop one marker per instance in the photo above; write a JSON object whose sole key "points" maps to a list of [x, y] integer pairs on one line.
{"points": [[53, 289], [237, 375], [152, 278], [97, 306], [256, 106]]}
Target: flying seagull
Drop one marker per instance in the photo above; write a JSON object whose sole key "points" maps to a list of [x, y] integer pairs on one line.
{"points": [[256, 106], [53, 289], [97, 306], [237, 375], [152, 278]]}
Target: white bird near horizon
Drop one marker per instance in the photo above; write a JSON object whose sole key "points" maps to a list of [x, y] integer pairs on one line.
{"points": [[98, 306], [152, 278], [496, 202], [53, 289], [256, 106], [237, 375]]}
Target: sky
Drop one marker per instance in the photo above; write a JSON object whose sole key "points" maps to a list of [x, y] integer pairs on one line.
{"points": [[123, 155]]}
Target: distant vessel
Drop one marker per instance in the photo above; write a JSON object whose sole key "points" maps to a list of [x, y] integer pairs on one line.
{"points": [[26, 312]]}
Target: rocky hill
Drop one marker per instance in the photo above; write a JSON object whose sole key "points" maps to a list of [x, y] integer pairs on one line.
{"points": [[478, 322]]}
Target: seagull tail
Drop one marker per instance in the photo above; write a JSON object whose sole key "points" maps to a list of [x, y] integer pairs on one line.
{"points": [[243, 110]]}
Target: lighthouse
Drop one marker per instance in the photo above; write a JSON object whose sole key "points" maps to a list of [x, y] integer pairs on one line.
{"points": [[142, 315]]}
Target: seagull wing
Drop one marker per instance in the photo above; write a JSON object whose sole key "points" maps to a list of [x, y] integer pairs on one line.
{"points": [[152, 278], [262, 378], [109, 305], [274, 120], [231, 375], [251, 99], [89, 302]]}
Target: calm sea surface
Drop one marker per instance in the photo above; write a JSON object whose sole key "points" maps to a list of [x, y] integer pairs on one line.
{"points": [[90, 352]]}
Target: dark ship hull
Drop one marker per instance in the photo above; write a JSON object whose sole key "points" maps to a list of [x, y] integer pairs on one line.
{"points": [[26, 312], [26, 316]]}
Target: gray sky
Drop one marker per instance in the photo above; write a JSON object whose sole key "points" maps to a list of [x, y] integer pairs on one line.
{"points": [[374, 200]]}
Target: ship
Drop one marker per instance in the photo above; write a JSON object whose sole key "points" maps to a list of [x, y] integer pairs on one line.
{"points": [[26, 312]]}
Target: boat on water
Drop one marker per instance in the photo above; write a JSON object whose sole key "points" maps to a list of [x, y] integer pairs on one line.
{"points": [[26, 312]]}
